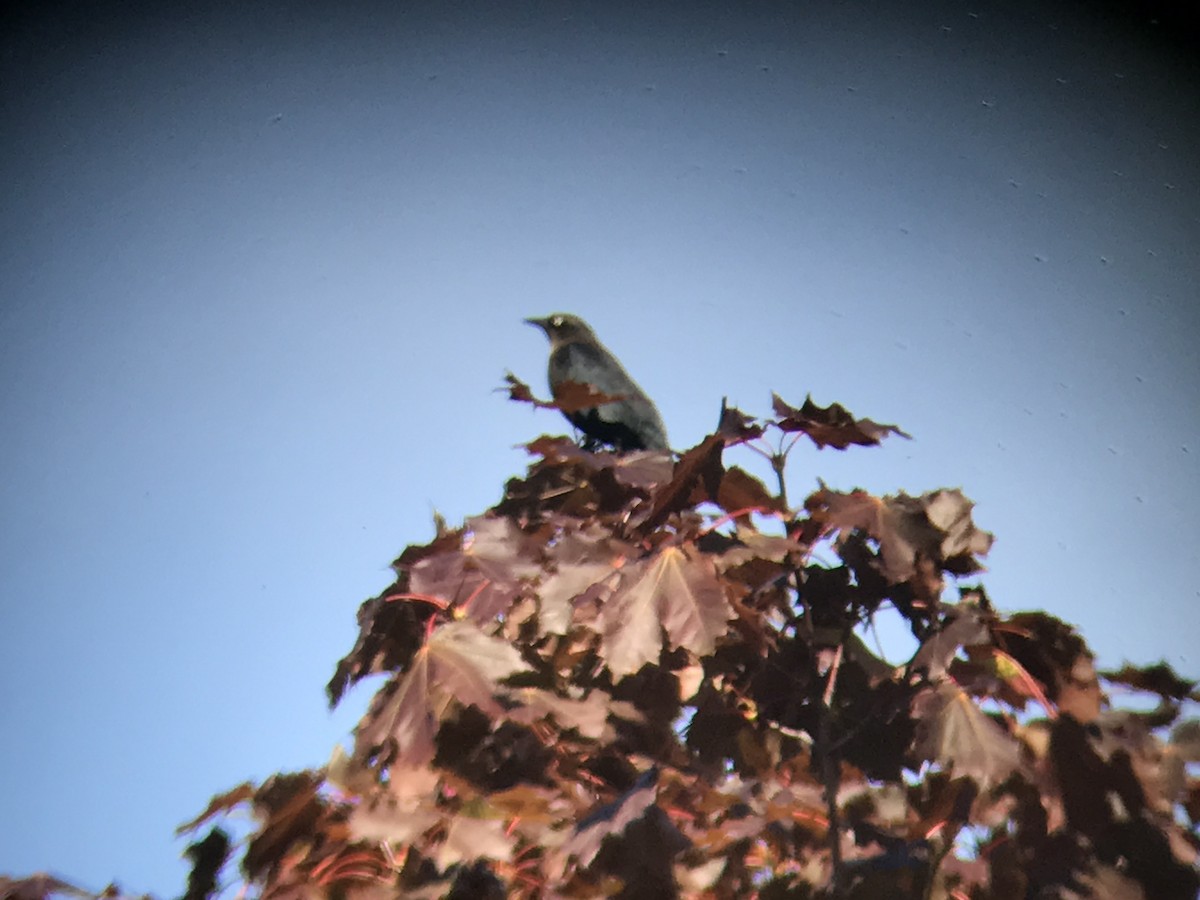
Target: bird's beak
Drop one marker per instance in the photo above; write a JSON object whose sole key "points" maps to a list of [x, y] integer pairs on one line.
{"points": [[540, 323]]}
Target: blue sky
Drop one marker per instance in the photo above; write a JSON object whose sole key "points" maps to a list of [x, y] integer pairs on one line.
{"points": [[262, 269]]}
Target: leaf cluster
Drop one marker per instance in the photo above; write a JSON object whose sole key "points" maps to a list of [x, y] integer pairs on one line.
{"points": [[643, 676]]}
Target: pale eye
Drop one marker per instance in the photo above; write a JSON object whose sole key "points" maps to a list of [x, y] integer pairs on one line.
{"points": [[557, 321]]}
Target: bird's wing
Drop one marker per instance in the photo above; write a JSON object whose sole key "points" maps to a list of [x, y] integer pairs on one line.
{"points": [[631, 421], [592, 365]]}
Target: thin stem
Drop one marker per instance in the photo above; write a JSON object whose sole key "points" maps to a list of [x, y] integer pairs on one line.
{"points": [[934, 864], [423, 598], [830, 761], [778, 461], [831, 776], [737, 514]]}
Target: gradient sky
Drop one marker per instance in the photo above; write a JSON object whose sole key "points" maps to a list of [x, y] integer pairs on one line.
{"points": [[263, 267]]}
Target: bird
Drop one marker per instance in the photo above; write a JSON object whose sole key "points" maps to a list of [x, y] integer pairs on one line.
{"points": [[577, 356]]}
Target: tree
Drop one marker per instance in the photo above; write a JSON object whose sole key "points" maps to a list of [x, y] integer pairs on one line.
{"points": [[643, 677]]}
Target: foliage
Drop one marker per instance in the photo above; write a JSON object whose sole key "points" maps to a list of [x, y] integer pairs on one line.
{"points": [[643, 677]]}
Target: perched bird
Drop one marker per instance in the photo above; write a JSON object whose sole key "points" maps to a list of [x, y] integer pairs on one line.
{"points": [[629, 423]]}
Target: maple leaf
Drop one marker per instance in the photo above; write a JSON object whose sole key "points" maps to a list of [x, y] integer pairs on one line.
{"points": [[401, 721], [1110, 883], [747, 546], [936, 527], [520, 392], [289, 809], [221, 803], [740, 491], [577, 561], [588, 716], [761, 562], [736, 427], [573, 396], [389, 633], [676, 589], [1078, 690], [569, 396], [953, 731], [458, 663], [383, 818], [715, 733], [639, 469], [484, 576], [801, 801], [964, 626], [830, 426], [402, 811], [469, 838], [1049, 650], [949, 512], [347, 775], [1159, 679], [942, 805], [965, 873], [494, 755], [700, 469], [38, 887], [612, 819], [467, 664]]}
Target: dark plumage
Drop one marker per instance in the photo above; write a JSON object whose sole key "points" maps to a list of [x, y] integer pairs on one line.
{"points": [[631, 423]]}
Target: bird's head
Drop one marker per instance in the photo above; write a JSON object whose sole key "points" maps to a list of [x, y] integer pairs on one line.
{"points": [[563, 328]]}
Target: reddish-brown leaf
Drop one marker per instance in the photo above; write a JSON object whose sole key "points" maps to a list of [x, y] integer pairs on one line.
{"points": [[1159, 679], [740, 491], [384, 818], [641, 469], [221, 803], [830, 426], [458, 663], [935, 527], [1044, 646], [38, 887], [531, 804], [573, 396], [588, 716], [752, 545], [698, 470], [630, 626], [676, 589], [519, 391], [401, 722], [954, 732], [736, 427], [485, 575], [289, 809], [468, 664], [577, 561], [569, 396], [964, 626], [389, 633], [1191, 801], [469, 838], [611, 819]]}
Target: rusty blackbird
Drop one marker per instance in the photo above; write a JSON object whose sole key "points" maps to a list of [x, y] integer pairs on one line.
{"points": [[630, 423]]}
